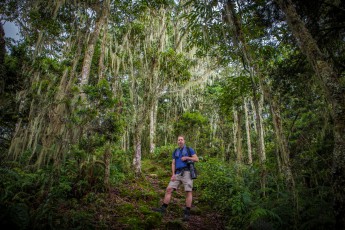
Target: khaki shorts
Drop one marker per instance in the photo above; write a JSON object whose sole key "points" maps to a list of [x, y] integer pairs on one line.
{"points": [[185, 180]]}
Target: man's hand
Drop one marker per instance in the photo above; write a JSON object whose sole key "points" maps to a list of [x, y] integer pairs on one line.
{"points": [[185, 158], [173, 178]]}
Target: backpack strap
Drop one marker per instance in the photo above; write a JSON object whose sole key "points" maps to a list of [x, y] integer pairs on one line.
{"points": [[188, 151], [174, 154]]}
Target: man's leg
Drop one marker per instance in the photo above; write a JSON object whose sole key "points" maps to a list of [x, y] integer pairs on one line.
{"points": [[189, 199], [167, 196]]}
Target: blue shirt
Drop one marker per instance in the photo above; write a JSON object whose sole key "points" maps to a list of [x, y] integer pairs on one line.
{"points": [[179, 153]]}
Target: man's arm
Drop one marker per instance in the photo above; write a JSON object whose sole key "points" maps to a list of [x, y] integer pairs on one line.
{"points": [[173, 177], [194, 158], [173, 167]]}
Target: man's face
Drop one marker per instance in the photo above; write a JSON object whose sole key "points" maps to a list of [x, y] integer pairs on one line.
{"points": [[180, 142]]}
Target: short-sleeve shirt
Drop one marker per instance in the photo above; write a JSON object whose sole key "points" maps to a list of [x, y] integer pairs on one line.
{"points": [[179, 153]]}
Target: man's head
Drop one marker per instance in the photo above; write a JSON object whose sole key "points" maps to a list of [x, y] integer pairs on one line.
{"points": [[180, 141]]}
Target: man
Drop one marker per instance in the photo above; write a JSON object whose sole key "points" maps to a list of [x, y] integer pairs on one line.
{"points": [[180, 174]]}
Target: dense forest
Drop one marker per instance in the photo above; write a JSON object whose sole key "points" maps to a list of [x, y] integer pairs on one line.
{"points": [[95, 92]]}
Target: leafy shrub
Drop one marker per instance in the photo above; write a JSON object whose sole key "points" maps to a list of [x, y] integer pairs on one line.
{"points": [[231, 189], [18, 189], [15, 216], [163, 152]]}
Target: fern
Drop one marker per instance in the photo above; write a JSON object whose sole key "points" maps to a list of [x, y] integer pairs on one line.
{"points": [[262, 213]]}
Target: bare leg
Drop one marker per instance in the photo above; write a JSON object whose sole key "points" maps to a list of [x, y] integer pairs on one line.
{"points": [[167, 196], [189, 199]]}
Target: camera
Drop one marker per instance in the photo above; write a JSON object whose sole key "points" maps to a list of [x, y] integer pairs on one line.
{"points": [[192, 169]]}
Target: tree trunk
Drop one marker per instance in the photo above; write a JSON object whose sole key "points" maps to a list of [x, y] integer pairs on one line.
{"points": [[284, 153], [240, 42], [2, 58], [249, 144], [335, 94], [91, 48], [107, 161], [238, 136], [260, 125], [101, 66], [46, 124], [239, 139], [137, 151], [234, 131], [153, 120], [254, 114], [258, 106], [227, 153]]}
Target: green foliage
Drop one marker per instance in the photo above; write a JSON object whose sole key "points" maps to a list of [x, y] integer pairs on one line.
{"points": [[120, 166], [177, 66], [317, 214], [12, 81], [234, 191], [194, 126], [85, 167], [136, 212], [233, 91], [15, 216], [222, 187], [60, 198], [17, 190], [163, 152], [42, 20], [71, 195], [101, 95]]}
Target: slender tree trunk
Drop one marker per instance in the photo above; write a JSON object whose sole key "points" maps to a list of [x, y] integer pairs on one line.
{"points": [[107, 161], [101, 70], [239, 139], [46, 124], [139, 115], [101, 65], [249, 144], [335, 94], [254, 114], [91, 48], [153, 120], [261, 128], [234, 131], [123, 141], [284, 153], [237, 136], [57, 127], [2, 58], [241, 43], [258, 107], [227, 153], [137, 150], [166, 132]]}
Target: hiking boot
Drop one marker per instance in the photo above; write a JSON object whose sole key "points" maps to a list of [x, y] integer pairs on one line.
{"points": [[186, 215], [160, 210]]}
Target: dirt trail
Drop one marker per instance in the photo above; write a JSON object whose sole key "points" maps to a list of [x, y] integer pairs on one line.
{"points": [[201, 216]]}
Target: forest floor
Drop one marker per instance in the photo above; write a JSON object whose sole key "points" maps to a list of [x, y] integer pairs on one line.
{"points": [[202, 217], [132, 204]]}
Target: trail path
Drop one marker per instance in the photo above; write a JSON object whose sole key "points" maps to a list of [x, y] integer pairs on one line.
{"points": [[201, 215]]}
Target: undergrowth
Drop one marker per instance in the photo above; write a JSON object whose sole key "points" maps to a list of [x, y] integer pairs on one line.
{"points": [[62, 199]]}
